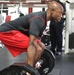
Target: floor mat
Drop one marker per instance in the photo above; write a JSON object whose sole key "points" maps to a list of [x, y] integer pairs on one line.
{"points": [[55, 72]]}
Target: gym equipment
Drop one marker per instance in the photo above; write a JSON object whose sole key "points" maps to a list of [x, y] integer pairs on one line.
{"points": [[71, 40], [19, 69], [47, 62], [46, 37]]}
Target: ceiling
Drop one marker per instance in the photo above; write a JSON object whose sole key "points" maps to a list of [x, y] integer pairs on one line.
{"points": [[28, 3], [25, 1]]}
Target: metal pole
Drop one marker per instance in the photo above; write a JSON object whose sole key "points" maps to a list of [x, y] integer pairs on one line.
{"points": [[68, 24]]}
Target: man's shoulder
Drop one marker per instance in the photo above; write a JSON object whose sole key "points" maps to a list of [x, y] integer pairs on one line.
{"points": [[37, 15]]}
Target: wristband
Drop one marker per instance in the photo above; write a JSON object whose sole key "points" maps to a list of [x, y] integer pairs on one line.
{"points": [[38, 41]]}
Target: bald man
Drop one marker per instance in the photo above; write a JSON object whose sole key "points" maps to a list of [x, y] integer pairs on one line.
{"points": [[24, 33]]}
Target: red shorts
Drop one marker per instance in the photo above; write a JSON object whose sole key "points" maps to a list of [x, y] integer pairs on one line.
{"points": [[15, 41]]}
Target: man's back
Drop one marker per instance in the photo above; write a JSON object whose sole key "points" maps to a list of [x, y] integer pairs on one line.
{"points": [[22, 22]]}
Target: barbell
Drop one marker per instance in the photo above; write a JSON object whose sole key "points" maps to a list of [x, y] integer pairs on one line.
{"points": [[47, 62]]}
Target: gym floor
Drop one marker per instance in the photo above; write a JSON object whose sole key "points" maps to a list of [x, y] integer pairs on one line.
{"points": [[64, 65]]}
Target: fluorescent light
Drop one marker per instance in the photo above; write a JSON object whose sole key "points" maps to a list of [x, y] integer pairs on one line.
{"points": [[28, 1], [4, 1]]}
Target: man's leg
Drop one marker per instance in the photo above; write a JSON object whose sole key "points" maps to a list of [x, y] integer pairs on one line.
{"points": [[59, 38], [53, 45], [53, 37]]}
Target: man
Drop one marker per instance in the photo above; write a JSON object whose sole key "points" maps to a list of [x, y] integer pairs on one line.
{"points": [[25, 32], [56, 33]]}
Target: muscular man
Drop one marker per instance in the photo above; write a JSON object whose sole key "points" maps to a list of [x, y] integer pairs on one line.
{"points": [[25, 32]]}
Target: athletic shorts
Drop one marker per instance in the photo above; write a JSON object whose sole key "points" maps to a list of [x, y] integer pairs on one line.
{"points": [[15, 41]]}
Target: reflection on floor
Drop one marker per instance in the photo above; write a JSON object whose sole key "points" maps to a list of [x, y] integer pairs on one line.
{"points": [[64, 65]]}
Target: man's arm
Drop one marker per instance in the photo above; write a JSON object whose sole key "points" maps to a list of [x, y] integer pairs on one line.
{"points": [[34, 50], [31, 51]]}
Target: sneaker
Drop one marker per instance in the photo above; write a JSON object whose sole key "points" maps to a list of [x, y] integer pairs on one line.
{"points": [[58, 53]]}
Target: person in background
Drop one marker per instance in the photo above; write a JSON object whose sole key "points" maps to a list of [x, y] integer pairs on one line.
{"points": [[56, 28]]}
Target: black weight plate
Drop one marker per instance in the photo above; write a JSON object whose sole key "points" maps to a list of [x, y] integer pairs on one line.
{"points": [[49, 61], [46, 39], [12, 70]]}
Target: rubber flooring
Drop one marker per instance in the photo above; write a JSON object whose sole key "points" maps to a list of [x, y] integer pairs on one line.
{"points": [[64, 64]]}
